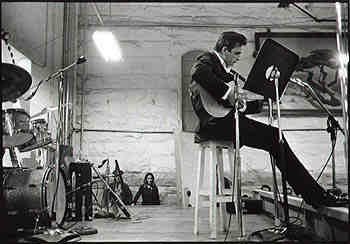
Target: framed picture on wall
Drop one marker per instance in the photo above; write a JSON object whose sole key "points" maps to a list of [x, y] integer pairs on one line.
{"points": [[318, 66]]}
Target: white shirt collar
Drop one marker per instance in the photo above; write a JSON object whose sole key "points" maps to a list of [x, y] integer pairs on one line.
{"points": [[228, 69]]}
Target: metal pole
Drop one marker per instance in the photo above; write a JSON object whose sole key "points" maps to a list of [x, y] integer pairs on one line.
{"points": [[58, 143], [82, 84], [334, 184], [273, 166], [238, 166], [343, 78], [282, 158]]}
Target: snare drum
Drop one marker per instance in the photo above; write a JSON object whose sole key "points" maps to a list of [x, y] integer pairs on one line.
{"points": [[16, 127], [42, 136], [28, 195]]}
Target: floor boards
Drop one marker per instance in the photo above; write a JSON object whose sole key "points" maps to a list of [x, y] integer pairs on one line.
{"points": [[166, 223]]}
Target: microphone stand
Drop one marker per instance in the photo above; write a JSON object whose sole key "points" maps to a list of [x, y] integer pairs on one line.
{"points": [[273, 234], [237, 166], [55, 231], [332, 123], [273, 166], [282, 155]]}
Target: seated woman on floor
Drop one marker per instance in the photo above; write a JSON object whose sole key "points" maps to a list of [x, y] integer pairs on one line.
{"points": [[149, 191]]}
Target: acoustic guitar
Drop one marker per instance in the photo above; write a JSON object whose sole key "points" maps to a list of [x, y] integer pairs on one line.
{"points": [[217, 110]]}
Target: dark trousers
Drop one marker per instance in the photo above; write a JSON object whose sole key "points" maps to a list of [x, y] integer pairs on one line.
{"points": [[83, 176], [262, 136]]}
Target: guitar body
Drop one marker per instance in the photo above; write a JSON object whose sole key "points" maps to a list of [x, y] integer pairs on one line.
{"points": [[214, 108]]}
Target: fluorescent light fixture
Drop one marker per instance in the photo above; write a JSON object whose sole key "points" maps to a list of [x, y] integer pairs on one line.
{"points": [[108, 45], [343, 58]]}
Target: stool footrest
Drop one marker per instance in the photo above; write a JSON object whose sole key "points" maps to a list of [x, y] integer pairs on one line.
{"points": [[219, 197]]}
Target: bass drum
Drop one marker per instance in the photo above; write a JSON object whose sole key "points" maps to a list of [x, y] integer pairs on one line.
{"points": [[29, 195]]}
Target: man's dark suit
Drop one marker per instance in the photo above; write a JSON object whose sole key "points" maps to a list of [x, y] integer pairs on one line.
{"points": [[209, 73]]}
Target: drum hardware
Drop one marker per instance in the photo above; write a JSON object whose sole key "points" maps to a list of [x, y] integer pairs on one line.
{"points": [[14, 158], [34, 144], [59, 137], [54, 204], [27, 193], [44, 111]]}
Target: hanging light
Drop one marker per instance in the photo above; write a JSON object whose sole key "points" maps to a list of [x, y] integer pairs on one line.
{"points": [[108, 45]]}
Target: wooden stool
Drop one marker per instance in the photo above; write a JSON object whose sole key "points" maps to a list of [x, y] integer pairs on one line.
{"points": [[215, 168]]}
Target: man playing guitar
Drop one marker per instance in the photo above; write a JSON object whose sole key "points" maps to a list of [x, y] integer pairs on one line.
{"points": [[211, 74]]}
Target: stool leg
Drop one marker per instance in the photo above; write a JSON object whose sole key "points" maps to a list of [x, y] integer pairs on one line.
{"points": [[212, 190], [221, 186], [199, 183]]}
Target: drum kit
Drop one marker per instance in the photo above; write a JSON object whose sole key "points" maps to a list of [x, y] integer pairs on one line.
{"points": [[28, 192]]}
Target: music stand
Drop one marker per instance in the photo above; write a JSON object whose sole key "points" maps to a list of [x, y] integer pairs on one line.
{"points": [[269, 77]]}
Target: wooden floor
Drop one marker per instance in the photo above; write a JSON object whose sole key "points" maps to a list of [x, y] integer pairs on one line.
{"points": [[166, 223]]}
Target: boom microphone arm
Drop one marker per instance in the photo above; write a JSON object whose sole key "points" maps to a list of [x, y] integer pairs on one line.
{"points": [[302, 84]]}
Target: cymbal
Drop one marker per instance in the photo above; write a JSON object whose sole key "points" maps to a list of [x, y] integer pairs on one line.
{"points": [[44, 111], [15, 81]]}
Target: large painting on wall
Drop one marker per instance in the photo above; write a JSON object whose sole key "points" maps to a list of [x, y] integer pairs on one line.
{"points": [[317, 67]]}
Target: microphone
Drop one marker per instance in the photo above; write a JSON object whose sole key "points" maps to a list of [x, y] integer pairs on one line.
{"points": [[81, 60]]}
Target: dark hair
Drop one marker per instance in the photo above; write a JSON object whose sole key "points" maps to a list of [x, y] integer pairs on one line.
{"points": [[230, 39], [145, 179]]}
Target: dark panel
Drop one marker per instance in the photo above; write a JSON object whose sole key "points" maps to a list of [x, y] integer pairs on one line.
{"points": [[189, 119]]}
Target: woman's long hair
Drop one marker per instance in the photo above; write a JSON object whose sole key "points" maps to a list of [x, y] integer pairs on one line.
{"points": [[145, 179]]}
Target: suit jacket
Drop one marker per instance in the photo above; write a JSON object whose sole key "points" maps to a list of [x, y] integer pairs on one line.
{"points": [[208, 72]]}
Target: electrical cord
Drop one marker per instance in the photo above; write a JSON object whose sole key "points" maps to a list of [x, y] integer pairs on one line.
{"points": [[298, 221], [320, 174]]}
